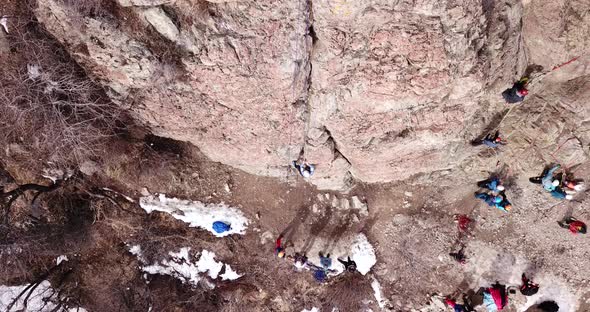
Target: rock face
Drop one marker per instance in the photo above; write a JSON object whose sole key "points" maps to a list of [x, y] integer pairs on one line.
{"points": [[369, 90]]}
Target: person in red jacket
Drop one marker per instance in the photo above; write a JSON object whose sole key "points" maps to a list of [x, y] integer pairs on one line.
{"points": [[574, 225], [279, 249]]}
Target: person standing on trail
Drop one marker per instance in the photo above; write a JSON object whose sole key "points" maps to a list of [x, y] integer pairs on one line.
{"points": [[349, 265], [517, 93], [574, 225], [325, 261]]}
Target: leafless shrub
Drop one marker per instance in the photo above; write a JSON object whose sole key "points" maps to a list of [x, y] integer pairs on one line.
{"points": [[49, 107], [89, 7], [348, 294]]}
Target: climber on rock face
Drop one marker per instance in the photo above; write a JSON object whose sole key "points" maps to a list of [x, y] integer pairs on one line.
{"points": [[574, 225], [493, 141], [305, 169], [517, 92]]}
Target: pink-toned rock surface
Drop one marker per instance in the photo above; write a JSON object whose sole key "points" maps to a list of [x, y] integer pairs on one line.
{"points": [[373, 91]]}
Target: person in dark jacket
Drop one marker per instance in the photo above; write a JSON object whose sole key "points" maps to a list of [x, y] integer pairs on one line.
{"points": [[528, 288], [350, 265], [459, 256], [517, 93]]}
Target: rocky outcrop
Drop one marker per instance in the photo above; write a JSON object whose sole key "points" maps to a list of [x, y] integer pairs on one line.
{"points": [[374, 91]]}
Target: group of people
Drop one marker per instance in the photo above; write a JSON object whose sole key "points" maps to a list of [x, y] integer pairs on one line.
{"points": [[492, 192], [495, 297], [320, 272], [561, 185]]}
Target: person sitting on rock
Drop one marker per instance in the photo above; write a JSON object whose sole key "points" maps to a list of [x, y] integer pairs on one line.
{"points": [[551, 183], [499, 201], [528, 288], [517, 92], [349, 265], [493, 141], [305, 169], [574, 225], [493, 184]]}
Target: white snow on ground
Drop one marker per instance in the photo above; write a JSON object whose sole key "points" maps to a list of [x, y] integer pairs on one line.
{"points": [[552, 289], [377, 291], [207, 263], [314, 309], [42, 299], [363, 254], [197, 214], [135, 250], [61, 258], [182, 267], [229, 274]]}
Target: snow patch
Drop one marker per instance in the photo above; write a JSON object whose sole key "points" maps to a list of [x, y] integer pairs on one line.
{"points": [[135, 250], [183, 268], [198, 214], [314, 309], [61, 258], [230, 274], [207, 263], [377, 292], [363, 254], [34, 71], [42, 299]]}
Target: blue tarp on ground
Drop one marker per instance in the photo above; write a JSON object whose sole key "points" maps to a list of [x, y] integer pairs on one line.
{"points": [[220, 227]]}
